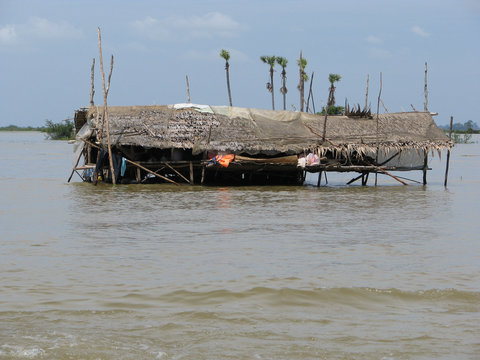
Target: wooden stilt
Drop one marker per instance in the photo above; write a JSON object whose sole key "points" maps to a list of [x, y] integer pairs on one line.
{"points": [[392, 176], [365, 178], [203, 175], [448, 152], [378, 110], [151, 172], [139, 175], [425, 167], [319, 178], [76, 163], [191, 173], [138, 166], [178, 173]]}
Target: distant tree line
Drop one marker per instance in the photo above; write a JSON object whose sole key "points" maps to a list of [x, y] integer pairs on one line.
{"points": [[62, 130], [468, 127]]}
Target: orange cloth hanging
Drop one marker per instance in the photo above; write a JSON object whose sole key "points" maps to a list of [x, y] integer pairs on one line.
{"points": [[223, 160]]}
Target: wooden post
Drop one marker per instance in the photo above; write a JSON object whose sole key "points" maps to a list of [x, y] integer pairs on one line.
{"points": [[76, 163], [105, 110], [188, 89], [191, 173], [92, 88], [302, 83], [319, 178], [426, 90], [203, 175], [378, 110], [177, 172], [386, 110], [448, 152], [366, 93], [310, 94], [425, 166]]}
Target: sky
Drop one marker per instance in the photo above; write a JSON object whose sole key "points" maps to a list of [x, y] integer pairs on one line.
{"points": [[47, 47]]}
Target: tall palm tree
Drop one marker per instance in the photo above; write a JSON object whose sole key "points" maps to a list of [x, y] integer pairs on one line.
{"points": [[333, 78], [226, 55], [283, 63], [302, 63], [270, 60]]}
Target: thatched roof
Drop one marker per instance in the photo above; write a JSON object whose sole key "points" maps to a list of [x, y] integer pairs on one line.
{"points": [[253, 131]]}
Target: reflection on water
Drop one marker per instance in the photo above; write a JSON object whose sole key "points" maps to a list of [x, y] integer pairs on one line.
{"points": [[160, 271]]}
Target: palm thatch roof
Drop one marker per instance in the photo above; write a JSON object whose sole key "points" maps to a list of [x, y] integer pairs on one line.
{"points": [[254, 131]]}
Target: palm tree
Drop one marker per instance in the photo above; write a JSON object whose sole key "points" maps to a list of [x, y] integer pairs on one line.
{"points": [[283, 63], [302, 63], [226, 55], [270, 60], [333, 78]]}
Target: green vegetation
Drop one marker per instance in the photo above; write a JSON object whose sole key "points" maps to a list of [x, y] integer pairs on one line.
{"points": [[226, 56], [270, 60], [462, 138], [59, 131], [55, 131], [283, 63], [469, 127], [462, 133], [302, 63], [332, 78], [20, 128], [333, 110]]}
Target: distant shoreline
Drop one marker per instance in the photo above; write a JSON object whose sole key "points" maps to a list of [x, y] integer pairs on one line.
{"points": [[23, 128]]}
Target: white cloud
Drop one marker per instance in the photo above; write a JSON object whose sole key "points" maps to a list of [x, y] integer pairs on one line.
{"points": [[373, 39], [213, 24], [37, 29], [417, 30], [46, 29], [8, 34]]}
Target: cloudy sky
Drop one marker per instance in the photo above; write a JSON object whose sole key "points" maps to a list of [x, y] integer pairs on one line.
{"points": [[46, 50]]}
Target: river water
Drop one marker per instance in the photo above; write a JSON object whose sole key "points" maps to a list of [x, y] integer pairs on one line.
{"points": [[166, 272]]}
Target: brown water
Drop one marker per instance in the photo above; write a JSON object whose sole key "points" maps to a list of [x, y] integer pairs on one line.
{"points": [[161, 272]]}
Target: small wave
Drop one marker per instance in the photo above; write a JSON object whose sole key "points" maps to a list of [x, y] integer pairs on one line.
{"points": [[356, 297], [21, 352]]}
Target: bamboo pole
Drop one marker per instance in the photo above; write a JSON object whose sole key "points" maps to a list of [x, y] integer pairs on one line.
{"points": [[381, 164], [301, 84], [92, 78], [386, 110], [310, 94], [178, 173], [152, 172], [188, 89], [393, 176], [366, 93], [425, 166], [448, 152], [378, 110], [136, 164], [426, 90], [73, 170], [105, 110], [191, 173]]}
